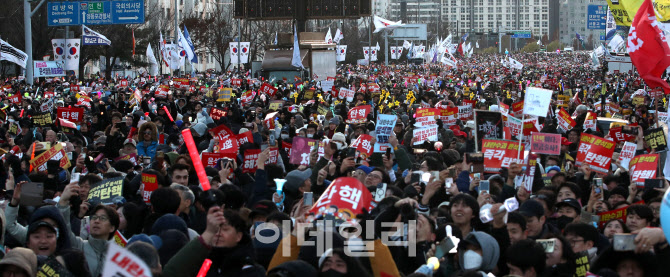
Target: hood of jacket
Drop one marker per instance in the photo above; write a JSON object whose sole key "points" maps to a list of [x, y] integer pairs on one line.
{"points": [[53, 213], [489, 246]]}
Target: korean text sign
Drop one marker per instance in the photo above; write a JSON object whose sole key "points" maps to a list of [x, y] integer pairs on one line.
{"points": [[500, 154], [596, 152], [643, 167]]}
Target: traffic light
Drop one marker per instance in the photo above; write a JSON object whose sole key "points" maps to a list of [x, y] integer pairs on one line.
{"points": [[253, 8]]}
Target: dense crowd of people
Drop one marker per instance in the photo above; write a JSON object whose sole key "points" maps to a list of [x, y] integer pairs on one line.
{"points": [[89, 163]]}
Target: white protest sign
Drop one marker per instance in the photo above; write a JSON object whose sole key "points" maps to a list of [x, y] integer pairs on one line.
{"points": [[514, 125], [537, 101], [423, 134], [121, 262], [465, 112], [627, 153], [327, 86], [425, 121]]}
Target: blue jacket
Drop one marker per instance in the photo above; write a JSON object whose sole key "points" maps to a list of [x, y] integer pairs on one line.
{"points": [[147, 150]]}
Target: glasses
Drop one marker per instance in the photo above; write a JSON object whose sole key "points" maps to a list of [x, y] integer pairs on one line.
{"points": [[99, 217], [147, 133]]}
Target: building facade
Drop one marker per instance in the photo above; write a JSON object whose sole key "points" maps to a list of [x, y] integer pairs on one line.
{"points": [[573, 18]]}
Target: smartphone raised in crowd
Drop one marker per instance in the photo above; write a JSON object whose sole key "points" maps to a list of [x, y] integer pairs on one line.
{"points": [[484, 187], [307, 199]]}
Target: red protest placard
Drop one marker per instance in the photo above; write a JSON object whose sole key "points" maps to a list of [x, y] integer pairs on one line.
{"points": [[544, 143], [499, 154], [359, 114], [517, 108], [300, 150], [268, 89], [617, 135], [364, 146], [596, 152], [227, 140], [448, 115], [529, 126], [643, 167], [74, 88], [57, 152], [216, 113], [130, 157], [210, 159], [245, 137], [344, 198], [150, 182], [273, 155], [287, 147], [84, 101], [373, 88], [565, 121], [123, 83], [247, 97], [614, 214], [71, 114], [250, 156], [15, 99], [427, 112], [180, 83], [236, 82], [162, 91]]}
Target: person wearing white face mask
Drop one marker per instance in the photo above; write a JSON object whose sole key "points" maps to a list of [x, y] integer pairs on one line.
{"points": [[478, 251]]}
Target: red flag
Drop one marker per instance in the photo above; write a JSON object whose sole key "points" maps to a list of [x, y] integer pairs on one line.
{"points": [[460, 48], [133, 31], [648, 48]]}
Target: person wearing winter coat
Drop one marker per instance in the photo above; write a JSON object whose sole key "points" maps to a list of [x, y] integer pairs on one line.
{"points": [[148, 137], [225, 241]]}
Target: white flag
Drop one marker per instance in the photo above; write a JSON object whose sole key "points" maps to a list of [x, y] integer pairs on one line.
{"points": [[173, 55], [338, 36], [406, 44], [11, 54], [67, 50], [514, 63], [90, 37], [373, 54], [377, 47], [366, 52], [296, 60], [539, 42], [341, 52], [183, 43], [242, 52], [164, 53], [615, 44], [329, 37], [383, 24], [477, 44], [152, 61], [447, 60]]}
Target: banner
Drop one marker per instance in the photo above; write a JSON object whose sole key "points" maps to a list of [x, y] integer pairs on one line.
{"points": [[250, 157], [614, 214], [448, 115], [12, 54], [90, 37], [121, 262], [104, 191], [488, 125], [56, 152], [544, 143], [618, 136], [465, 112], [425, 134], [180, 83], [150, 183], [216, 114], [565, 121], [655, 139], [42, 119], [358, 114], [71, 114], [227, 139], [517, 109], [498, 154], [344, 198], [643, 167], [224, 95], [596, 152], [48, 68], [300, 149]]}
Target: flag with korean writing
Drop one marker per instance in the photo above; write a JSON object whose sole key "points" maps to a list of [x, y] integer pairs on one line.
{"points": [[344, 198], [364, 146], [250, 156], [596, 152], [544, 143], [499, 154], [227, 139], [358, 114], [643, 167], [655, 139], [300, 149]]}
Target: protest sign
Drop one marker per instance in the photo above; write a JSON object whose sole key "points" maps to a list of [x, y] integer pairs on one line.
{"points": [[132, 157], [618, 136], [544, 143], [662, 116], [105, 190], [14, 129], [563, 101], [425, 134], [216, 113], [247, 97], [48, 68], [465, 112], [448, 115], [71, 114], [327, 86], [425, 121], [119, 239], [517, 109], [250, 157], [364, 146], [245, 137], [227, 139], [273, 155], [15, 99], [427, 112], [627, 154], [346, 93], [121, 262], [287, 148], [613, 214], [529, 176], [514, 125], [344, 198], [56, 152], [655, 139], [276, 105], [590, 121], [583, 264], [643, 167], [596, 152], [236, 82], [322, 110], [498, 154], [224, 95], [537, 101], [211, 159], [268, 89], [150, 182], [42, 119], [358, 114], [300, 149], [488, 125], [384, 127], [45, 107], [53, 268], [565, 121]]}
